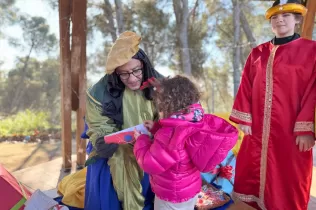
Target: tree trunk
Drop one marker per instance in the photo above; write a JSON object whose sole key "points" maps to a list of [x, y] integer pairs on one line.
{"points": [[245, 25], [236, 50], [119, 16], [108, 13], [19, 89], [181, 10]]}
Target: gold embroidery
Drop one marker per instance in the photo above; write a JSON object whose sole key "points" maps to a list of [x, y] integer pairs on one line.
{"points": [[243, 116], [304, 127], [248, 199], [93, 99], [266, 124]]}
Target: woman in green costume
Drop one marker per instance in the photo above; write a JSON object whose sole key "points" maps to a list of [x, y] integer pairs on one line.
{"points": [[114, 180]]}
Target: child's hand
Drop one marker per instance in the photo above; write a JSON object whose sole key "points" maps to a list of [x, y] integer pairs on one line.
{"points": [[246, 129], [136, 134], [305, 143], [149, 124]]}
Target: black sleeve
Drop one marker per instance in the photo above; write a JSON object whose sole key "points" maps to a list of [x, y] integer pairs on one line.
{"points": [[105, 150]]}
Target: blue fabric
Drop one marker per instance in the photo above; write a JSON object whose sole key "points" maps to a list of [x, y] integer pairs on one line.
{"points": [[58, 199], [85, 136], [224, 184], [84, 133], [89, 147], [100, 193]]}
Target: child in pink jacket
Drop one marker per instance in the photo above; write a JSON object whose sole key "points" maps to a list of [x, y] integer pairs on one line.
{"points": [[185, 142]]}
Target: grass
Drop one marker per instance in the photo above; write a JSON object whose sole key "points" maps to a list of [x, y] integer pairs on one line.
{"points": [[24, 123]]}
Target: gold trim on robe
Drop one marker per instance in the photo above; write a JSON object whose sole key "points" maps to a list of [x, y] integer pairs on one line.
{"points": [[304, 127], [243, 116]]}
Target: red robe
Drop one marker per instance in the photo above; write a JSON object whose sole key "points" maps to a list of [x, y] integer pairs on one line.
{"points": [[277, 98]]}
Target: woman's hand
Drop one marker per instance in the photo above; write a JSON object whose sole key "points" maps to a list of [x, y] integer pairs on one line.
{"points": [[149, 124], [246, 129], [136, 134], [305, 143]]}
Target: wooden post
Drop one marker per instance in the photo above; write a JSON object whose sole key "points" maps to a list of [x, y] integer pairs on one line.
{"points": [[65, 80], [309, 20], [78, 70]]}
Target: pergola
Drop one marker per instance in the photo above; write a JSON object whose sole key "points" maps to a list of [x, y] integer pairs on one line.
{"points": [[73, 28]]}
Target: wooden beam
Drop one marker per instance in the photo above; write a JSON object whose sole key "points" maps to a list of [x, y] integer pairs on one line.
{"points": [[309, 20], [65, 80], [78, 70]]}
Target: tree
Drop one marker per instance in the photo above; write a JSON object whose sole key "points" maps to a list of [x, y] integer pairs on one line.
{"points": [[181, 11], [144, 17], [119, 16], [40, 84], [111, 20], [8, 14], [200, 31], [236, 50], [37, 38], [152, 23], [238, 45], [216, 94]]}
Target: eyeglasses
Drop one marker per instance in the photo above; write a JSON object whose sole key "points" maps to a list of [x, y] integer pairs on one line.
{"points": [[136, 73]]}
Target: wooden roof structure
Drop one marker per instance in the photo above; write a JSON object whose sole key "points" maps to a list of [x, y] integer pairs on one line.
{"points": [[73, 70]]}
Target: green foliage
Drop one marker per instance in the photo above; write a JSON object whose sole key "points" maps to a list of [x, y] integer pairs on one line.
{"points": [[24, 123], [152, 23], [8, 14], [37, 35], [40, 86]]}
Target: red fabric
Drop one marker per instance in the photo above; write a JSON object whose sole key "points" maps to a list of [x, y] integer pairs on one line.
{"points": [[180, 150], [225, 172], [288, 171], [120, 138], [10, 190]]}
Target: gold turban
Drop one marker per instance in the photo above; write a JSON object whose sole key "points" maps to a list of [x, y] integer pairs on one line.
{"points": [[284, 8], [123, 49]]}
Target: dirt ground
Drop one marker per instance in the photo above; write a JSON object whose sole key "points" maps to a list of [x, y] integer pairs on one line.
{"points": [[16, 156]]}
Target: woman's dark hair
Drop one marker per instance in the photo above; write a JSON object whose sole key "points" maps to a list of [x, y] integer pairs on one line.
{"points": [[175, 95], [116, 86]]}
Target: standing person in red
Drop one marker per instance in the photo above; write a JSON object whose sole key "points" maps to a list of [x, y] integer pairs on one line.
{"points": [[275, 108]]}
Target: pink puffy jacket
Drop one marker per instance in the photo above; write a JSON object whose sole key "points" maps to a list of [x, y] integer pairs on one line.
{"points": [[181, 150]]}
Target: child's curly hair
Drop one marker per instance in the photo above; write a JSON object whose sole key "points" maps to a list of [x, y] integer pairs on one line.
{"points": [[175, 95]]}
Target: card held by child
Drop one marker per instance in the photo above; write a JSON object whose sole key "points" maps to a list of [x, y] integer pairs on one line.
{"points": [[125, 136]]}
